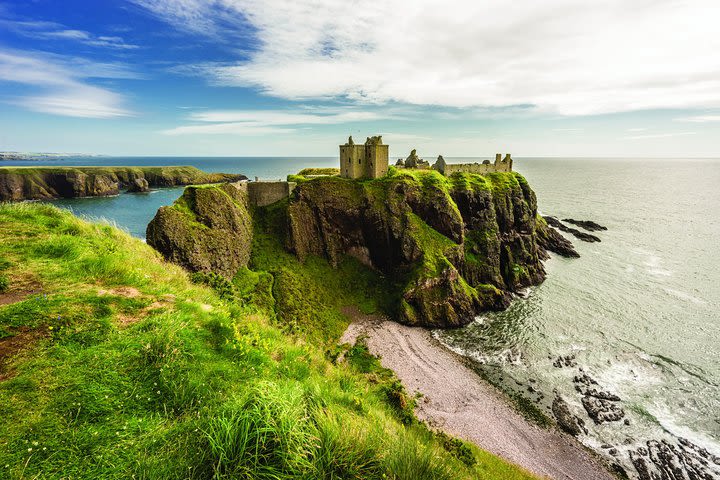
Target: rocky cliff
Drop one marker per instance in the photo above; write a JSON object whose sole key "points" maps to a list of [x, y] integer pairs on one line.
{"points": [[449, 247], [453, 246], [37, 183], [208, 229]]}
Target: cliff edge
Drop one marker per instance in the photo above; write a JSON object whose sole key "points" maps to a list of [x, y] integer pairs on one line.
{"points": [[40, 183]]}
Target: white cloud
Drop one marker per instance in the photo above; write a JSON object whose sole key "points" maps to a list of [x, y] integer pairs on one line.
{"points": [[660, 135], [252, 122], [700, 119], [61, 88], [560, 55], [57, 31]]}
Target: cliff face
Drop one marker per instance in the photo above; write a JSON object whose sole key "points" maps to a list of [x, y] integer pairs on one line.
{"points": [[453, 246], [208, 229], [37, 183], [450, 246]]}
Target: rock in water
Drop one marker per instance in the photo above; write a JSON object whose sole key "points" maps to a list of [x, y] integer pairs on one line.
{"points": [[588, 225], [208, 229], [552, 241], [139, 185], [585, 237], [566, 420]]}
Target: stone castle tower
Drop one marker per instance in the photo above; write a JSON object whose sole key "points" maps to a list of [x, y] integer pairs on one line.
{"points": [[364, 161]]}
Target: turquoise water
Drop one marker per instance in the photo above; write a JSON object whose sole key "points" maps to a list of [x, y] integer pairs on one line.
{"points": [[638, 310]]}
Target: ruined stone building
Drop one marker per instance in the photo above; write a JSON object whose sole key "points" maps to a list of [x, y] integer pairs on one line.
{"points": [[501, 165], [370, 160], [364, 161]]}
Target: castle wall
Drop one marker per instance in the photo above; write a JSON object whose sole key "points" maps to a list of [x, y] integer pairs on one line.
{"points": [[352, 158], [261, 194], [500, 165], [481, 168], [364, 161], [378, 160]]}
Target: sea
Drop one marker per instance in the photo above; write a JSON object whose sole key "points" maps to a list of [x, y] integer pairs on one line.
{"points": [[639, 311]]}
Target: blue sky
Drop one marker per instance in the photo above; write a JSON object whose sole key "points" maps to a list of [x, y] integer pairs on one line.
{"points": [[281, 77]]}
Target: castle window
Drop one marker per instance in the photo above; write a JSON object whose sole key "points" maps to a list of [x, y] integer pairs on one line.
{"points": [[359, 161]]}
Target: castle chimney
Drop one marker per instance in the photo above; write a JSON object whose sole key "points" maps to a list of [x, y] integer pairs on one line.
{"points": [[498, 157]]}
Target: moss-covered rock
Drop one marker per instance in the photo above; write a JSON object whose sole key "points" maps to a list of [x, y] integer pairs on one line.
{"points": [[452, 246], [208, 229]]}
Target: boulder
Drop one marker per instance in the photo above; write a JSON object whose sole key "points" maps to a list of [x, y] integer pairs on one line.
{"points": [[139, 185], [208, 229]]}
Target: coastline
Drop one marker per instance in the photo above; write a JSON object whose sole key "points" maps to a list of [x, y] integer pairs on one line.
{"points": [[456, 400]]}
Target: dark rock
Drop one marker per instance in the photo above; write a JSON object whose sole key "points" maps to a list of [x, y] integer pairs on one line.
{"points": [[601, 410], [208, 229], [139, 185], [588, 225], [566, 420], [552, 241], [661, 459], [565, 361], [585, 237]]}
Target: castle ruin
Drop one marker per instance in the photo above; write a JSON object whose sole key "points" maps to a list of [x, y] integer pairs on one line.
{"points": [[501, 165], [370, 160], [364, 161]]}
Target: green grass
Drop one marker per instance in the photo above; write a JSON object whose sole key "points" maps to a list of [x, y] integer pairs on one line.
{"points": [[132, 370]]}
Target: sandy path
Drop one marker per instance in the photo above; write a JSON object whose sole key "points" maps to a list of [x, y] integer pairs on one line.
{"points": [[456, 400]]}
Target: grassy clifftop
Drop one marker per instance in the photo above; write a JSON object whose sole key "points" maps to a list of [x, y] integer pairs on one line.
{"points": [[114, 364]]}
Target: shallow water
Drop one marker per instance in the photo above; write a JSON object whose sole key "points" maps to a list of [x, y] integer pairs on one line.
{"points": [[638, 310]]}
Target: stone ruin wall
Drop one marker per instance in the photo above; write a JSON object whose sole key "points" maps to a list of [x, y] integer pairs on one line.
{"points": [[261, 194], [481, 168]]}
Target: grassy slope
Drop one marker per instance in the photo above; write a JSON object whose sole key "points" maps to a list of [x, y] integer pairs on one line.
{"points": [[133, 370]]}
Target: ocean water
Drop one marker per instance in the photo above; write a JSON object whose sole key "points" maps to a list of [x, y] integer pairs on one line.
{"points": [[640, 311]]}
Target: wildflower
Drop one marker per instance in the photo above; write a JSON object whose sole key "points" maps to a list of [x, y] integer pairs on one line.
{"points": [[35, 443], [30, 449]]}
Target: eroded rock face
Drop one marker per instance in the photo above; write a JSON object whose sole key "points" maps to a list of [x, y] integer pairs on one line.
{"points": [[208, 229], [453, 248], [38, 183], [139, 185]]}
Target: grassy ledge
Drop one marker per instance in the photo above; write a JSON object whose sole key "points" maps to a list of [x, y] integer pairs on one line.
{"points": [[115, 364]]}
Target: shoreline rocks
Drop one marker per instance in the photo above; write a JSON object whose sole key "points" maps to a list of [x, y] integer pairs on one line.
{"points": [[585, 237], [588, 225]]}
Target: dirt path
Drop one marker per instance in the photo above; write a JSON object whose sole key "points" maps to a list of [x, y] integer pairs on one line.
{"points": [[456, 400]]}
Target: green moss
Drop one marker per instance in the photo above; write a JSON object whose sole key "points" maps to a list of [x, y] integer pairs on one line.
{"points": [[319, 171]]}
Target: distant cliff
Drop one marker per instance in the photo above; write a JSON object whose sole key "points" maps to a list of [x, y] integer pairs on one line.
{"points": [[449, 247], [37, 183]]}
